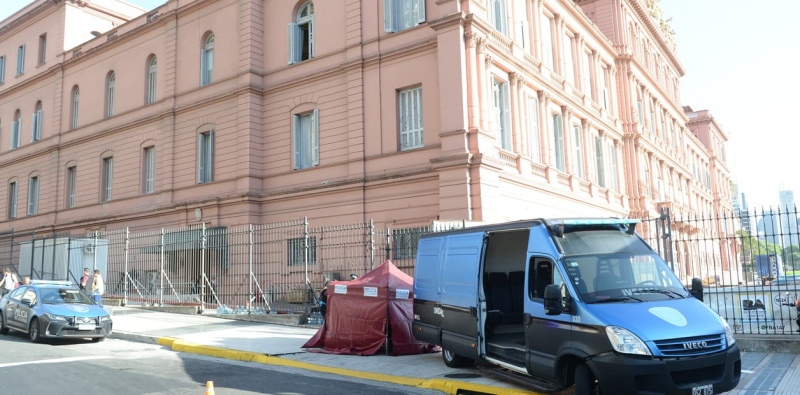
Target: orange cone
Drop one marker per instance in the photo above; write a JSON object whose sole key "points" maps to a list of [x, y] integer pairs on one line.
{"points": [[209, 388]]}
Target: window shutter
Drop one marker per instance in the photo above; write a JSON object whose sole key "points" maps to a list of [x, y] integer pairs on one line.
{"points": [[293, 47], [33, 127], [311, 39], [297, 133], [314, 137], [200, 166], [210, 164], [420, 7], [388, 16]]}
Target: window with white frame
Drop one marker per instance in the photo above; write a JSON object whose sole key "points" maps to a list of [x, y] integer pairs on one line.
{"points": [[33, 195], [36, 122], [410, 118], [151, 80], [21, 59], [148, 169], [2, 69], [42, 48], [569, 61], [72, 181], [501, 114], [205, 157], [299, 253], [559, 154], [577, 151], [76, 101], [612, 167], [110, 89], [16, 128], [301, 35], [547, 41], [107, 179], [603, 81], [12, 199], [532, 117], [306, 140], [600, 164], [588, 75], [206, 61], [399, 15], [497, 13]]}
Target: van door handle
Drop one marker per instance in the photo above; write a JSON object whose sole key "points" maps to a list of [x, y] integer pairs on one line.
{"points": [[527, 319], [473, 311]]}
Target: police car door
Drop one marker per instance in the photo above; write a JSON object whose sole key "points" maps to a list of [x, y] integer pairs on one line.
{"points": [[16, 313]]}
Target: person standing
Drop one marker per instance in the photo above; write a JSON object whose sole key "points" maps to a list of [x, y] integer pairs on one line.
{"points": [[797, 319], [98, 288], [85, 279], [9, 281]]}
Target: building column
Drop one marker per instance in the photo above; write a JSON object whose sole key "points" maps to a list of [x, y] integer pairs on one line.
{"points": [[473, 76]]}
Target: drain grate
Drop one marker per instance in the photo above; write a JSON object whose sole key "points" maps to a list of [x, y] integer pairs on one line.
{"points": [[463, 376]]}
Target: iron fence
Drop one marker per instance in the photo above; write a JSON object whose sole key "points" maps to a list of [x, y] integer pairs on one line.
{"points": [[280, 267]]}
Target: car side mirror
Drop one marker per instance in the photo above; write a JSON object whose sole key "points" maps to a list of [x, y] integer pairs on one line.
{"points": [[697, 288], [553, 305], [27, 301]]}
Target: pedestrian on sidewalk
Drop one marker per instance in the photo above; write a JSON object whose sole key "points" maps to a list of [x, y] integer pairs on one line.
{"points": [[9, 282], [797, 319], [98, 288], [85, 279]]}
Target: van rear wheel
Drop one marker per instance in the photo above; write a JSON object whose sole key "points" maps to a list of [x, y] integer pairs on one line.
{"points": [[585, 383], [453, 360]]}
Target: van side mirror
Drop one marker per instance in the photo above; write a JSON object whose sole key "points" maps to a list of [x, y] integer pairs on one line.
{"points": [[697, 288], [553, 304]]}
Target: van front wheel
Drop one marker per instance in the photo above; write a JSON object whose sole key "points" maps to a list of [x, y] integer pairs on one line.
{"points": [[585, 383], [453, 360]]}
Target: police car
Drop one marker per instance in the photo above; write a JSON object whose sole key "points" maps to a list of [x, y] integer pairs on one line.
{"points": [[53, 309]]}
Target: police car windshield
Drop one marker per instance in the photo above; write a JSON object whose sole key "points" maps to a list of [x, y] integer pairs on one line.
{"points": [[601, 278], [64, 296]]}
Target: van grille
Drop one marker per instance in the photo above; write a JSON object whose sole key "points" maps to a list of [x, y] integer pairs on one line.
{"points": [[691, 346]]}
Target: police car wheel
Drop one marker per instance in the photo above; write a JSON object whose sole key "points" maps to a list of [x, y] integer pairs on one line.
{"points": [[454, 360], [3, 327], [584, 381], [33, 331]]}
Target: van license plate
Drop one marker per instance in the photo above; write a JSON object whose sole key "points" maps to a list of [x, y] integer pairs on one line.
{"points": [[90, 327], [703, 390]]}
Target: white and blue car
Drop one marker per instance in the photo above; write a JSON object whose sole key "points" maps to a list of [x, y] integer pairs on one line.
{"points": [[53, 309]]}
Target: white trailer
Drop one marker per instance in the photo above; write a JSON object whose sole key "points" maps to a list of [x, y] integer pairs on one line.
{"points": [[62, 258]]}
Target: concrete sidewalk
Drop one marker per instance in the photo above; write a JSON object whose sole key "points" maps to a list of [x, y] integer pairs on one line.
{"points": [[763, 372]]}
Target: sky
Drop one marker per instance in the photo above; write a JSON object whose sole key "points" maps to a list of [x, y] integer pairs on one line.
{"points": [[741, 63]]}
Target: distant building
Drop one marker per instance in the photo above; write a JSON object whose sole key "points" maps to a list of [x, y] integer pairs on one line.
{"points": [[788, 218]]}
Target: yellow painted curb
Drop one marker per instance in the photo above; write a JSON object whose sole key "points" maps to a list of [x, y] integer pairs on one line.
{"points": [[451, 387]]}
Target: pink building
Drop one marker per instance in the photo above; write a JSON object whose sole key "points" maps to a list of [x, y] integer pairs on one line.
{"points": [[232, 112]]}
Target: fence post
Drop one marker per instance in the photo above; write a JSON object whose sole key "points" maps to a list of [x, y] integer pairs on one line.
{"points": [[124, 264], [203, 268], [161, 275], [371, 245], [309, 289], [250, 296], [666, 227], [388, 243]]}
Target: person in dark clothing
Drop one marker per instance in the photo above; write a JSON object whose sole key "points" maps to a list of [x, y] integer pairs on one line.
{"points": [[323, 300]]}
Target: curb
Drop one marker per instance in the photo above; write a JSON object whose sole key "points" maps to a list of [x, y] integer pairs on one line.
{"points": [[450, 387]]}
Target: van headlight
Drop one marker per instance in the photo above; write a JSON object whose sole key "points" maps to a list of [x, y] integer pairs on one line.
{"points": [[626, 342], [728, 331]]}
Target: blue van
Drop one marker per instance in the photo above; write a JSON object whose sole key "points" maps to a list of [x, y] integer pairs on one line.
{"points": [[573, 302]]}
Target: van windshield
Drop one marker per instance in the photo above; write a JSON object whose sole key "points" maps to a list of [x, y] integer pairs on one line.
{"points": [[623, 277]]}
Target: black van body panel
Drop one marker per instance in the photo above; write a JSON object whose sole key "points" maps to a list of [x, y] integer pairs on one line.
{"points": [[454, 328], [460, 344], [546, 339], [626, 375]]}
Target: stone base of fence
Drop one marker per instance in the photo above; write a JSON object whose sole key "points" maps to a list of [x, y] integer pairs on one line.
{"points": [[769, 343], [295, 319]]}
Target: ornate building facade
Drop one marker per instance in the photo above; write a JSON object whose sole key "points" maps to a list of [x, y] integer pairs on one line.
{"points": [[404, 112]]}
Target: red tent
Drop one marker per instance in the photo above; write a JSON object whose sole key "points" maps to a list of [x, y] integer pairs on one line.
{"points": [[358, 312]]}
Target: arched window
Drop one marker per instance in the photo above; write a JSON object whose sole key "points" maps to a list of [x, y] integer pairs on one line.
{"points": [[36, 124], [301, 35], [76, 93], [110, 82], [151, 80], [16, 126], [207, 61]]}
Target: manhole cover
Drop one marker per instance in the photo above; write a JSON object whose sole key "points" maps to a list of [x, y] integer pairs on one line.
{"points": [[462, 376]]}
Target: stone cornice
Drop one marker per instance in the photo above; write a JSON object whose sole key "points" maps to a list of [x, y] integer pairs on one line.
{"points": [[656, 33], [447, 22]]}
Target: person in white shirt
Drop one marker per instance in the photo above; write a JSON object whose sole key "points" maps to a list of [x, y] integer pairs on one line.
{"points": [[9, 281], [98, 287]]}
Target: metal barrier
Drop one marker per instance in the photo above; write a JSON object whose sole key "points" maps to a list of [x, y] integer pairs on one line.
{"points": [[281, 267]]}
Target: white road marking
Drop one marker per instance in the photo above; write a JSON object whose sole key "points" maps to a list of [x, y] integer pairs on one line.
{"points": [[57, 360]]}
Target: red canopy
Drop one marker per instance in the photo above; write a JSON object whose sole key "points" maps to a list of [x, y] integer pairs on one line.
{"points": [[358, 312]]}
